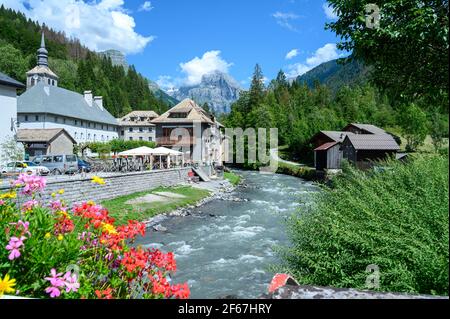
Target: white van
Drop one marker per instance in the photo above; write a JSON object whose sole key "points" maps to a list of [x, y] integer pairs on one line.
{"points": [[58, 164]]}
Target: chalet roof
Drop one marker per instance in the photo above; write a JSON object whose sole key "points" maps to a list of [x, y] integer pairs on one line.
{"points": [[8, 81], [42, 98], [383, 142], [149, 115], [41, 135], [141, 114], [371, 129], [195, 113], [326, 146], [336, 136]]}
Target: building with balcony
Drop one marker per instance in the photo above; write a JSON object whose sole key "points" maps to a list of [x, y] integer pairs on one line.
{"points": [[190, 129]]}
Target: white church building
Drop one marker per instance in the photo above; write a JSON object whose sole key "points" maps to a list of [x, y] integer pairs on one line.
{"points": [[44, 105]]}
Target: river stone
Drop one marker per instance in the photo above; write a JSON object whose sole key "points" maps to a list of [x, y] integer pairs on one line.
{"points": [[159, 228]]}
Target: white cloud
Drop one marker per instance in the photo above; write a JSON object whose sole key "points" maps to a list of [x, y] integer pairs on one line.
{"points": [[292, 54], [324, 54], [100, 25], [146, 6], [166, 82], [208, 63], [285, 19], [329, 11]]}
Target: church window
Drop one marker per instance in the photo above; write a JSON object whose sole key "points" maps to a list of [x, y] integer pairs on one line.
{"points": [[48, 81], [130, 130], [26, 118], [36, 118]]}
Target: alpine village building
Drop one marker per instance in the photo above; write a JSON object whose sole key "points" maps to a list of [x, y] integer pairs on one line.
{"points": [[360, 144], [190, 129], [44, 105], [138, 126], [50, 115]]}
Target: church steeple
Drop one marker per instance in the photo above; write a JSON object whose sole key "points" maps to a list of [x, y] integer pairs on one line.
{"points": [[42, 53], [41, 73]]}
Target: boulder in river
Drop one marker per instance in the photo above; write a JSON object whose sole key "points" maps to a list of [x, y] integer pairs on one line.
{"points": [[159, 228]]}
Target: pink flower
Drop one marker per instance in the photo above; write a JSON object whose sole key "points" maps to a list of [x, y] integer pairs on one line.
{"points": [[24, 226], [31, 183], [2, 202], [71, 282], [14, 245], [55, 279], [30, 205], [57, 205], [53, 291]]}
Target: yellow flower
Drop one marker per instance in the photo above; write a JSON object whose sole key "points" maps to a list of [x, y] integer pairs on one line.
{"points": [[60, 237], [61, 191], [63, 213], [53, 195], [47, 236], [6, 285], [91, 203], [25, 165], [9, 195], [98, 180], [110, 229]]}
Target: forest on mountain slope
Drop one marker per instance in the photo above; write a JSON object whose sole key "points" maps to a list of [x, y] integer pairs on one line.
{"points": [[78, 68], [404, 91]]}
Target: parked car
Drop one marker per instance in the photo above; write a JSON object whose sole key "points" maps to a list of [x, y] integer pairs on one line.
{"points": [[58, 164], [83, 166], [18, 167]]}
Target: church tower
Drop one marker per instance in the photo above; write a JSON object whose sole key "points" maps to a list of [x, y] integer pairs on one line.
{"points": [[41, 72]]}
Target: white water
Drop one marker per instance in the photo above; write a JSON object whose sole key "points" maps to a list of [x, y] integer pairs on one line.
{"points": [[229, 254]]}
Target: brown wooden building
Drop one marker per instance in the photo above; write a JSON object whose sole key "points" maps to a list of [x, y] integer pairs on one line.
{"points": [[364, 149], [360, 144]]}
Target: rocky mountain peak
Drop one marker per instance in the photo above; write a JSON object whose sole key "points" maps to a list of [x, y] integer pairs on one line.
{"points": [[217, 89]]}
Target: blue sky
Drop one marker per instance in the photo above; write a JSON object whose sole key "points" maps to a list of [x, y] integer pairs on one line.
{"points": [[175, 42]]}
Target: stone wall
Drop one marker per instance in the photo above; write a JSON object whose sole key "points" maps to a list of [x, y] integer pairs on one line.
{"points": [[314, 292], [82, 189]]}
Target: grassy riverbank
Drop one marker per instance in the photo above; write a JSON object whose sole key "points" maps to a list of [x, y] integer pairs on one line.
{"points": [[396, 219], [305, 172], [144, 205], [233, 178]]}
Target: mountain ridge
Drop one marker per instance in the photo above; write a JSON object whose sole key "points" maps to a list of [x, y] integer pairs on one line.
{"points": [[216, 88]]}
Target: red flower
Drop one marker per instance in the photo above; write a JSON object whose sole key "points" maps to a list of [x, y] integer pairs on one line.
{"points": [[181, 291], [163, 261], [104, 294]]}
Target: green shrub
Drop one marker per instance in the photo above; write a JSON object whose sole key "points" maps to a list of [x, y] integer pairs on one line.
{"points": [[304, 172], [396, 219]]}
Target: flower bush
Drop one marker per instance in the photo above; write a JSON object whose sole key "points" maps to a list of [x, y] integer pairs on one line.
{"points": [[51, 250]]}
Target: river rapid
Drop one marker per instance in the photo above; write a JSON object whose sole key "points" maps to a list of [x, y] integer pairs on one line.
{"points": [[225, 247]]}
